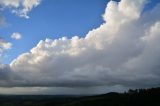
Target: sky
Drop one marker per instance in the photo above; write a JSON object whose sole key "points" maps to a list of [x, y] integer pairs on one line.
{"points": [[52, 19], [78, 46]]}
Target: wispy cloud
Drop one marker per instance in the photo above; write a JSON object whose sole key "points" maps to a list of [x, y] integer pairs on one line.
{"points": [[20, 7], [3, 47]]}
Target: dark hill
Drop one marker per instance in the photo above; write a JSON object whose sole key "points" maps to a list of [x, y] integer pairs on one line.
{"points": [[138, 97], [141, 97]]}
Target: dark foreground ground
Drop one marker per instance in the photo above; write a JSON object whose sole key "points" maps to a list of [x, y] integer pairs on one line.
{"points": [[140, 97]]}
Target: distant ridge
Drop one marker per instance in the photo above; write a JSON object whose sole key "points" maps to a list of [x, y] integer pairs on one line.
{"points": [[137, 97]]}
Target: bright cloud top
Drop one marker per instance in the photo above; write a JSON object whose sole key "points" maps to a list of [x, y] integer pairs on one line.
{"points": [[20, 7], [124, 51], [16, 36]]}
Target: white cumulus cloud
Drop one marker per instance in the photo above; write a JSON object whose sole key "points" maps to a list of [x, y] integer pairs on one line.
{"points": [[16, 36]]}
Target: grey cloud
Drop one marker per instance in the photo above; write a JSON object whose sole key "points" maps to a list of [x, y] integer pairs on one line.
{"points": [[7, 77]]}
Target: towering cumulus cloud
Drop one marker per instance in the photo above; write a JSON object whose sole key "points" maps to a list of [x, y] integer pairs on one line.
{"points": [[124, 51]]}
